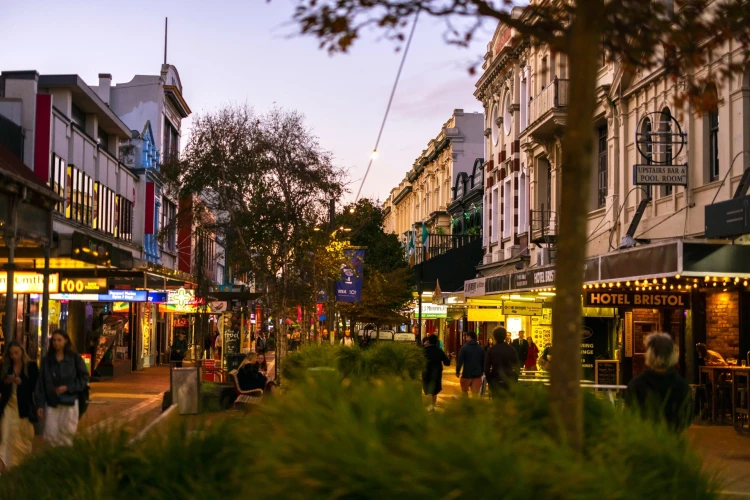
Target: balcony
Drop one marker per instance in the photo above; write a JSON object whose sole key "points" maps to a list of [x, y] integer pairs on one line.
{"points": [[440, 244], [548, 109], [543, 227]]}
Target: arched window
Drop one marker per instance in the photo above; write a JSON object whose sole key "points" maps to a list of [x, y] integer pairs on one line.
{"points": [[493, 125], [507, 116]]}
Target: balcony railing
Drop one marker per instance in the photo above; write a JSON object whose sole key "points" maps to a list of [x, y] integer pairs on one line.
{"points": [[553, 97], [543, 226], [439, 244]]}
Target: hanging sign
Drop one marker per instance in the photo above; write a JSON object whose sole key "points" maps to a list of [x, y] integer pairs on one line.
{"points": [[522, 308], [474, 288], [479, 314], [349, 287]]}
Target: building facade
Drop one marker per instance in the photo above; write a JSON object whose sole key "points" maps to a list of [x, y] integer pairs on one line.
{"points": [[664, 179]]}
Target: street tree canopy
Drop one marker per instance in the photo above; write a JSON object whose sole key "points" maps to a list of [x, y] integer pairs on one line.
{"points": [[677, 38]]}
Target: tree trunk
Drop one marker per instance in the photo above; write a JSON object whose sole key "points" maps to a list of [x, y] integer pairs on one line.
{"points": [[577, 157]]}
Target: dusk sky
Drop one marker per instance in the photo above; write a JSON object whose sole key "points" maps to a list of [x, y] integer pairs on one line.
{"points": [[240, 51]]}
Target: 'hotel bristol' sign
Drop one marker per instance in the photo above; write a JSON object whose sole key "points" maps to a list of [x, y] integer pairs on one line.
{"points": [[649, 300]]}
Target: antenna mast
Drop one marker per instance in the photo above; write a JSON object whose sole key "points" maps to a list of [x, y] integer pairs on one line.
{"points": [[166, 20]]}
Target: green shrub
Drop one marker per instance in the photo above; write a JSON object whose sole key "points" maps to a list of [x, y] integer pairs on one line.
{"points": [[383, 359], [328, 438]]}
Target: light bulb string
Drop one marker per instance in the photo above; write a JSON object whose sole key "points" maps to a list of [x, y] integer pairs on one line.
{"points": [[388, 107]]}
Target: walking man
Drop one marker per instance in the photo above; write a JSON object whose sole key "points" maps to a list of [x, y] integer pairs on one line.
{"points": [[471, 359], [521, 345], [501, 366]]}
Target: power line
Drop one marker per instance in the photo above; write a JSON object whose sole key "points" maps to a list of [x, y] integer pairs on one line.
{"points": [[388, 108]]}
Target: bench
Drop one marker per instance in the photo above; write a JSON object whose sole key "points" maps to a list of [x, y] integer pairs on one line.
{"points": [[252, 397]]}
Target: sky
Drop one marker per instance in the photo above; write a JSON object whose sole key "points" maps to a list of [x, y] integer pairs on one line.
{"points": [[232, 51]]}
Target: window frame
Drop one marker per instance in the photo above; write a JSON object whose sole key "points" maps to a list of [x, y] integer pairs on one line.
{"points": [[602, 174]]}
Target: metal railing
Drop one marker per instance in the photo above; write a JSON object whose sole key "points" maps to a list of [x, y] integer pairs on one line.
{"points": [[440, 244], [543, 224], [554, 96]]}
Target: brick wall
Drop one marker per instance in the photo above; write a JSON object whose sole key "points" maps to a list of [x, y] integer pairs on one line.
{"points": [[722, 323]]}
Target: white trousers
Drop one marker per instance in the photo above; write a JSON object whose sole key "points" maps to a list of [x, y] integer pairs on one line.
{"points": [[60, 424]]}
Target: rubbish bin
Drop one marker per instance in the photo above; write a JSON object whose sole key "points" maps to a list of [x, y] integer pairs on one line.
{"points": [[186, 387]]}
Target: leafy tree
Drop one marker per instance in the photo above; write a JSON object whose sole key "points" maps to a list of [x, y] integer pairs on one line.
{"points": [[677, 37], [260, 182], [387, 284]]}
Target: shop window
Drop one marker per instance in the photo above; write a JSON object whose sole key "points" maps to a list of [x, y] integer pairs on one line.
{"points": [[79, 196], [125, 220], [58, 175]]}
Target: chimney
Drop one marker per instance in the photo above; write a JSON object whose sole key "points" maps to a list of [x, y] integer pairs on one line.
{"points": [[105, 82]]}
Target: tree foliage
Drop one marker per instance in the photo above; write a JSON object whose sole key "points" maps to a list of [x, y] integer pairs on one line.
{"points": [[677, 38]]}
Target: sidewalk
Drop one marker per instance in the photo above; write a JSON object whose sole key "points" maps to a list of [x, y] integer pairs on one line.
{"points": [[127, 398]]}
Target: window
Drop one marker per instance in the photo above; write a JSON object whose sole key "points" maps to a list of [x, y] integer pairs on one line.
{"points": [[602, 170], [524, 101], [507, 208], [507, 115], [544, 71], [666, 127], [78, 116], [102, 138], [168, 218], [170, 139], [57, 179], [495, 215], [493, 125], [105, 201], [79, 196], [648, 147], [713, 144], [549, 188], [523, 203], [125, 219]]}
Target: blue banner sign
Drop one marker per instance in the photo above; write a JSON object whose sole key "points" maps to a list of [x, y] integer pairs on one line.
{"points": [[349, 287], [125, 296], [157, 297]]}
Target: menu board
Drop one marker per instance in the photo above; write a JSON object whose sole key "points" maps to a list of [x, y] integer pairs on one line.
{"points": [[607, 372], [544, 319], [542, 335]]}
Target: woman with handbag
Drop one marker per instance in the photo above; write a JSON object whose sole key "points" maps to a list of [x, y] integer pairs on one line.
{"points": [[19, 377], [62, 380]]}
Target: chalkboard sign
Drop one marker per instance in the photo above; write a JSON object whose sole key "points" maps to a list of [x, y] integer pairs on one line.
{"points": [[607, 372]]}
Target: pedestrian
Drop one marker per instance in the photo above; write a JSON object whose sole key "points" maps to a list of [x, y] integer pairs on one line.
{"points": [[17, 411], [207, 346], [471, 360], [521, 346], [660, 394], [63, 378], [432, 377], [179, 348], [218, 342], [347, 341], [530, 361], [296, 339], [366, 339], [545, 360], [501, 365], [261, 344]]}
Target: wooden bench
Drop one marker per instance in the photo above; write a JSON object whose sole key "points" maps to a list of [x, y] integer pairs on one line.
{"points": [[251, 397]]}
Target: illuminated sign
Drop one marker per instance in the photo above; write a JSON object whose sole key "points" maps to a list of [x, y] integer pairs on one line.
{"points": [[83, 285], [522, 308], [432, 311], [654, 300], [89, 297], [27, 282], [157, 297], [477, 314], [125, 296], [181, 298]]}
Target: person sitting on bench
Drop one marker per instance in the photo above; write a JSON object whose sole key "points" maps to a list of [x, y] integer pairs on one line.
{"points": [[249, 376]]}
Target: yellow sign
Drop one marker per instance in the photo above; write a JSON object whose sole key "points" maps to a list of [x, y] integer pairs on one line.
{"points": [[511, 308], [544, 319], [26, 282], [83, 285], [628, 341], [542, 336], [477, 314]]}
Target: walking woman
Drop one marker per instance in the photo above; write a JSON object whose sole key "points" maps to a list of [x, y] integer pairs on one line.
{"points": [[432, 377], [19, 377], [62, 379], [530, 362]]}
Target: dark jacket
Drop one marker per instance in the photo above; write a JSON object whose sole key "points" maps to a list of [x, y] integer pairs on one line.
{"points": [[471, 358], [436, 358], [24, 392], [70, 372], [501, 364], [179, 345], [661, 397], [249, 378], [522, 348]]}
